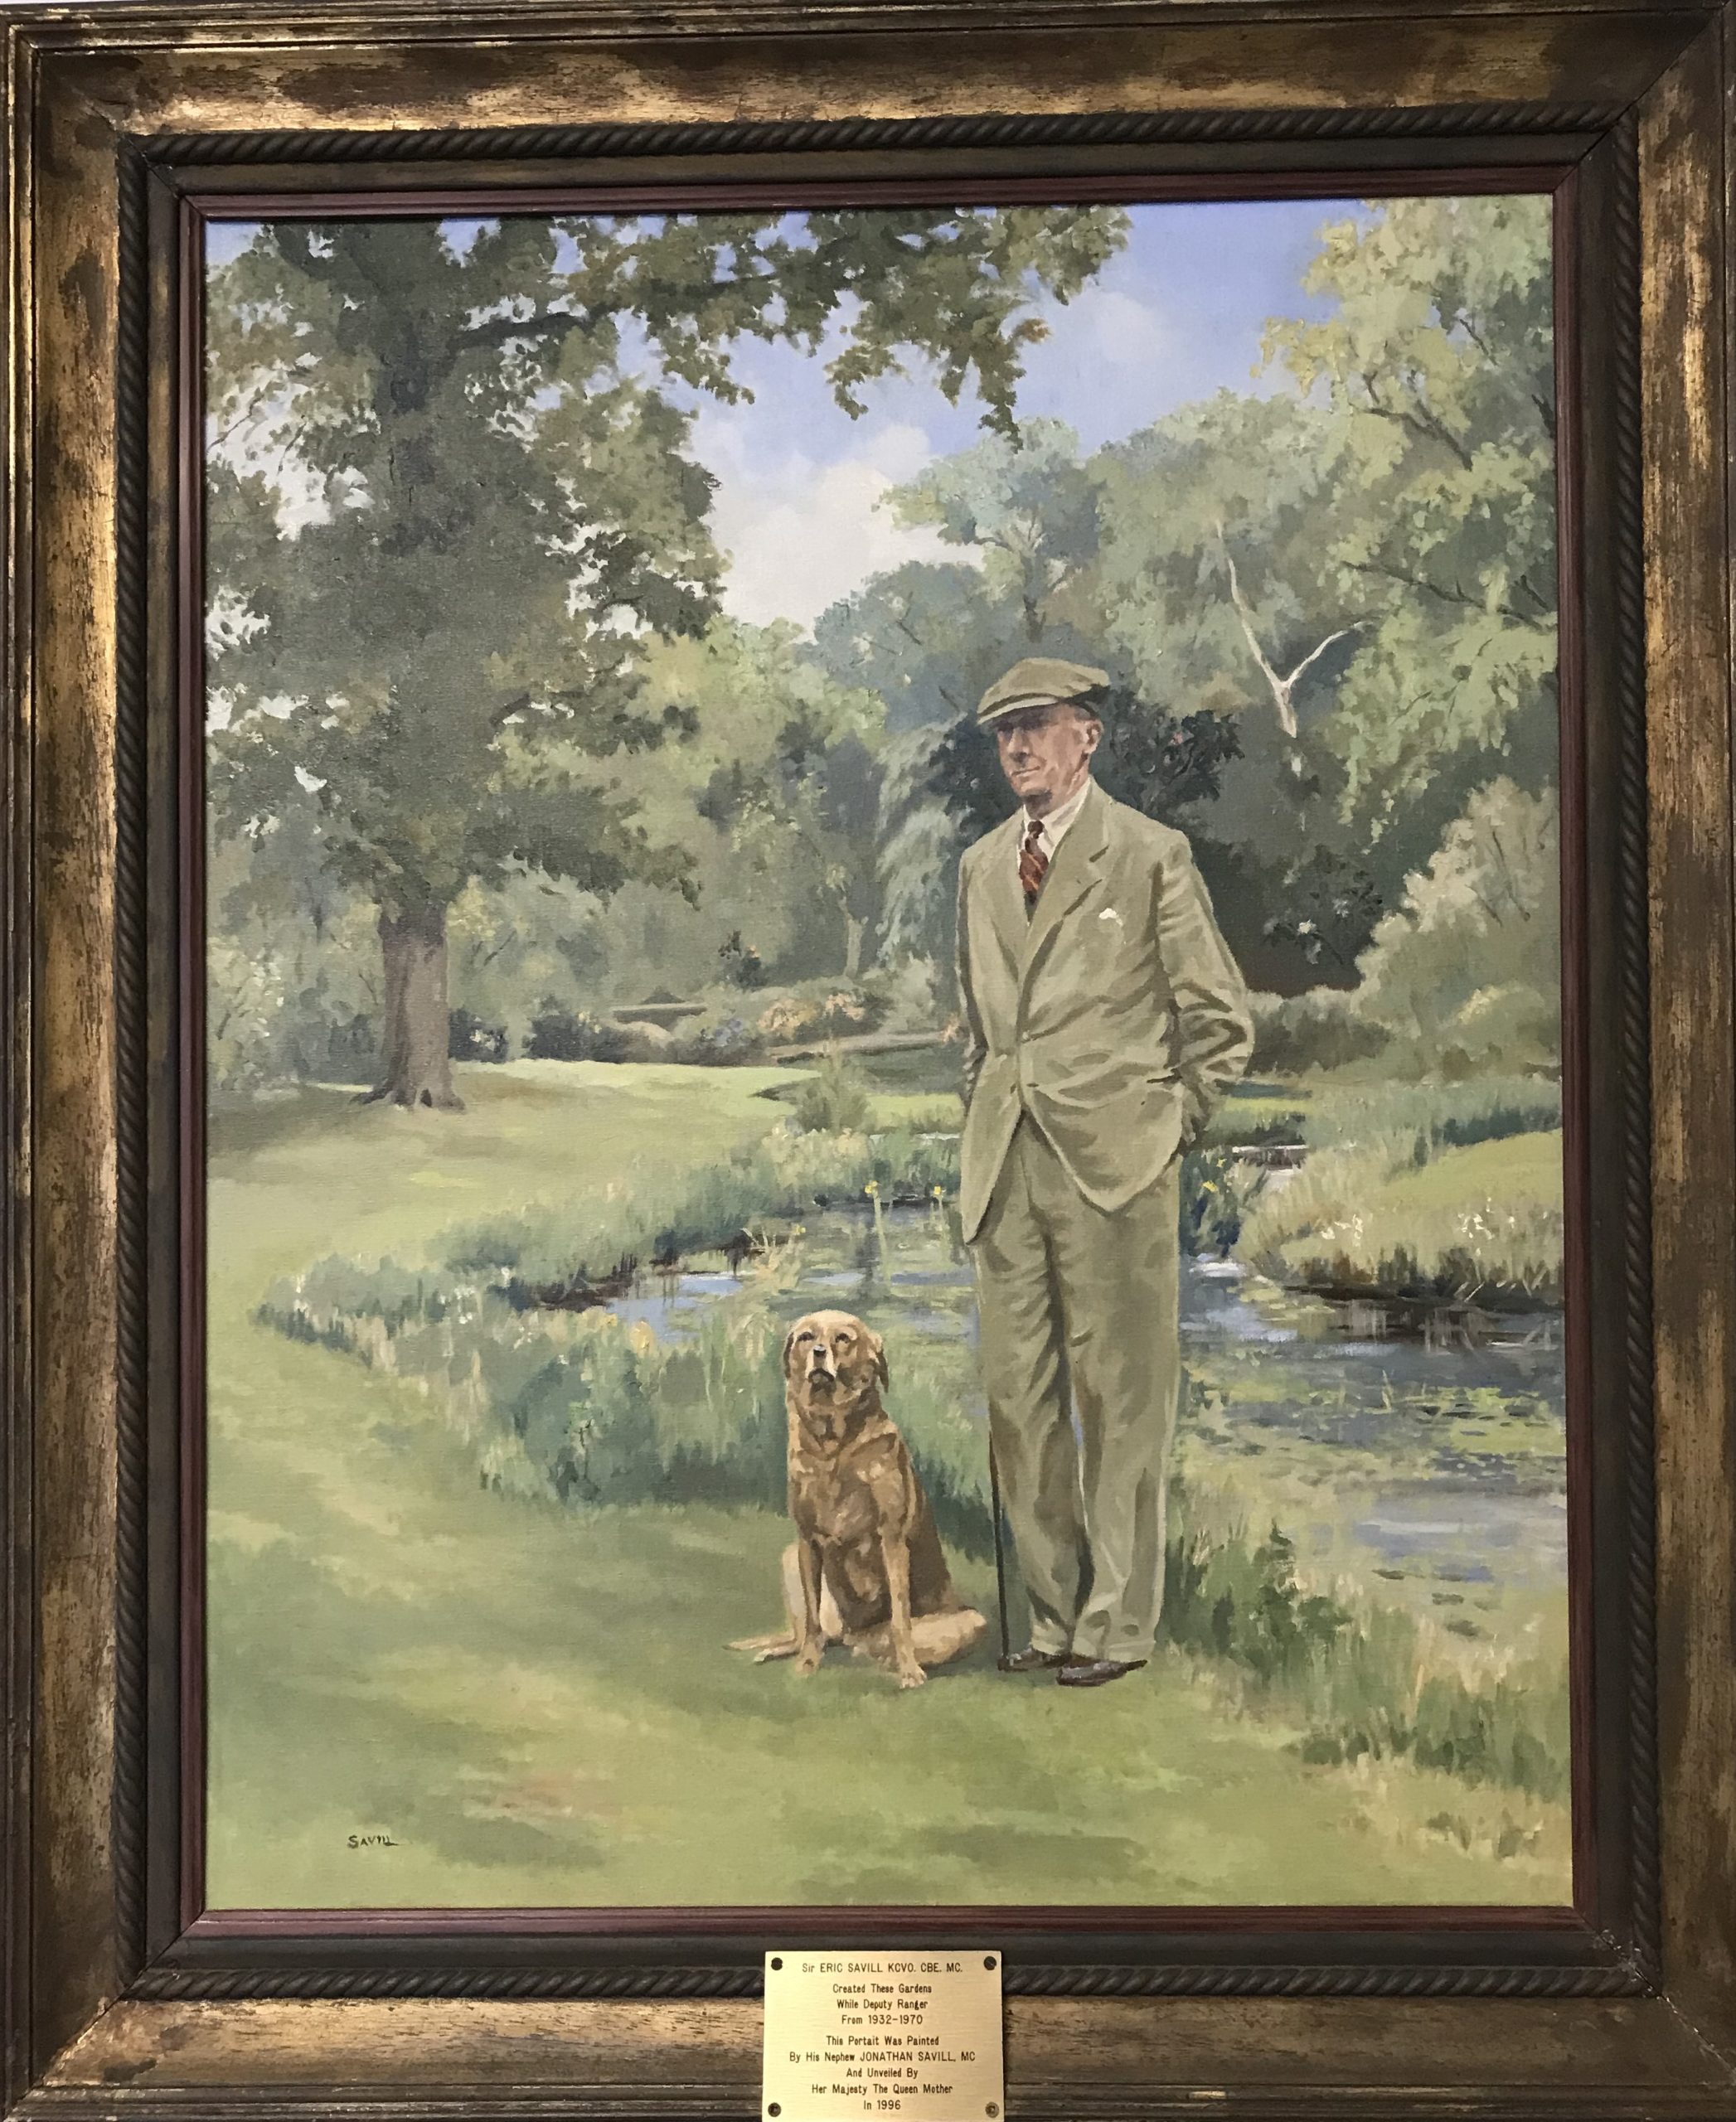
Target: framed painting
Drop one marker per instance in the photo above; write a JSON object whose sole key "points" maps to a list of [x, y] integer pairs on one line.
{"points": [[869, 964]]}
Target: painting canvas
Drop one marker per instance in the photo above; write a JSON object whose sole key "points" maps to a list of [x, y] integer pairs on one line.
{"points": [[883, 1004]]}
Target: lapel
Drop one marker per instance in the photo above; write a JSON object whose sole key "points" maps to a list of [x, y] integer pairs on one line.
{"points": [[1073, 873], [1000, 882]]}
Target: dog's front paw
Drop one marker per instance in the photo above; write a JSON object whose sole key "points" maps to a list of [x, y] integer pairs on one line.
{"points": [[807, 1662], [911, 1676]]}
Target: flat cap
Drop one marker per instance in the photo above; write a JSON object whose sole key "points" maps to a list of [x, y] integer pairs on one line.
{"points": [[1038, 681]]}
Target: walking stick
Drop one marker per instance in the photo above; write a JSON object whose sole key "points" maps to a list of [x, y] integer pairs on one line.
{"points": [[994, 1495]]}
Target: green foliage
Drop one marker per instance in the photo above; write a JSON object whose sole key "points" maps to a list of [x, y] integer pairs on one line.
{"points": [[292, 986], [1215, 1192], [906, 995], [1466, 972], [1320, 1028], [1437, 365], [1517, 1732], [1227, 1601], [833, 1100], [1371, 1701], [558, 1033], [732, 1206], [1335, 602], [1327, 610], [453, 645], [1024, 501]]}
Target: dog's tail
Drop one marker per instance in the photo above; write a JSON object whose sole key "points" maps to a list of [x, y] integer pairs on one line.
{"points": [[779, 1644]]}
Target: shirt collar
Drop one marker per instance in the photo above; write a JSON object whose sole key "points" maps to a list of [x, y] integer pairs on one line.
{"points": [[1063, 816]]}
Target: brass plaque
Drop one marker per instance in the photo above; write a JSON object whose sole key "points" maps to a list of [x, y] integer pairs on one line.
{"points": [[910, 2037]]}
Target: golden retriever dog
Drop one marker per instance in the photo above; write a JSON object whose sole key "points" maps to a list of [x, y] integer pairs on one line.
{"points": [[865, 1568]]}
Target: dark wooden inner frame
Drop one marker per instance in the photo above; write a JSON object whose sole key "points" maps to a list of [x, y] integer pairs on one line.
{"points": [[1605, 1943], [110, 110]]}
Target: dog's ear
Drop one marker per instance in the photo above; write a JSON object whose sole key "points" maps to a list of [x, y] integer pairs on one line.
{"points": [[881, 1370], [789, 1348]]}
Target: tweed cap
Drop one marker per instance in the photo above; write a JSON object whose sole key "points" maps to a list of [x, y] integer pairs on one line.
{"points": [[1038, 681]]}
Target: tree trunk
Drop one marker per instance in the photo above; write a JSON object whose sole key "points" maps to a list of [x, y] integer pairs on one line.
{"points": [[418, 1068], [854, 932]]}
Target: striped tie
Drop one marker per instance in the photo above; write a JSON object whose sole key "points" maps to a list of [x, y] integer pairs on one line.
{"points": [[1033, 863]]}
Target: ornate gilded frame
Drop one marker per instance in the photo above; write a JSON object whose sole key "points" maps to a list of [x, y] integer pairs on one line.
{"points": [[118, 1997]]}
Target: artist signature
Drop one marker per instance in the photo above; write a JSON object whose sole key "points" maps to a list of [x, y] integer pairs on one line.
{"points": [[374, 1842]]}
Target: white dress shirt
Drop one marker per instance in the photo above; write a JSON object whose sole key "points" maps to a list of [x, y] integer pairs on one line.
{"points": [[1055, 826]]}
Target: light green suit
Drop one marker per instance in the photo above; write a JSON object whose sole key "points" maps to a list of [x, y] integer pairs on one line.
{"points": [[1102, 1031]]}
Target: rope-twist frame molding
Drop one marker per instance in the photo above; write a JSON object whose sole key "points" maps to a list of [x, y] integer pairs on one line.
{"points": [[1630, 1969]]}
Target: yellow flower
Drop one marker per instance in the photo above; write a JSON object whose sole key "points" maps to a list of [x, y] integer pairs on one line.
{"points": [[872, 1189], [939, 1192]]}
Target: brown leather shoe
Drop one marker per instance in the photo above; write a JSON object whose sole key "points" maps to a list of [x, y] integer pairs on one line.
{"points": [[1096, 1672], [1031, 1659]]}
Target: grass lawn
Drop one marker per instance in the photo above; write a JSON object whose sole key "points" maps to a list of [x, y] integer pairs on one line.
{"points": [[423, 1693], [1519, 1166]]}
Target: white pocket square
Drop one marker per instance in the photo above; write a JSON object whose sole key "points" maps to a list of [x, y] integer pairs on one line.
{"points": [[1109, 913]]}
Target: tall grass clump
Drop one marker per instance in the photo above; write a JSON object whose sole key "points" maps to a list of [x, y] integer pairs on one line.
{"points": [[833, 1100]]}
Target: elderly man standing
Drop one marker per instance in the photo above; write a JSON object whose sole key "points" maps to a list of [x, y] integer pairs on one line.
{"points": [[1106, 1017]]}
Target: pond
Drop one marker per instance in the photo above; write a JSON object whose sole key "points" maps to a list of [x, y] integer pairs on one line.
{"points": [[1429, 1469]]}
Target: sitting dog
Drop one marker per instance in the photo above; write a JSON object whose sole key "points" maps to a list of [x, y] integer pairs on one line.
{"points": [[867, 1566]]}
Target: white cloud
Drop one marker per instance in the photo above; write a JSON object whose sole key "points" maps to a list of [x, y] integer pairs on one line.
{"points": [[799, 533], [1112, 363], [1127, 333]]}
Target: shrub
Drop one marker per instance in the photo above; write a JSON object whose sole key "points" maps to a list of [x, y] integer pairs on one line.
{"points": [[905, 997], [1225, 1600], [1318, 1028], [742, 965], [558, 1034], [1216, 1192], [1466, 972], [833, 1100], [718, 1038], [808, 1017], [468, 1038]]}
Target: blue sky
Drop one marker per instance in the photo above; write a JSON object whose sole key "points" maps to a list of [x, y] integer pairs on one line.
{"points": [[1174, 316]]}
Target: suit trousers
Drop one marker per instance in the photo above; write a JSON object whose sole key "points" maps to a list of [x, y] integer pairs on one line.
{"points": [[1079, 1312]]}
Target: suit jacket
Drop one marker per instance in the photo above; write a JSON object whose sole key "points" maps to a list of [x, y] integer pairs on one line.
{"points": [[1114, 1015]]}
